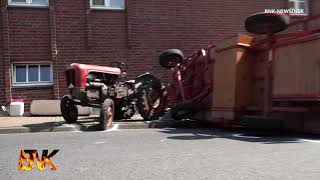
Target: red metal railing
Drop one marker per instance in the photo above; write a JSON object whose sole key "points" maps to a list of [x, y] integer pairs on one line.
{"points": [[262, 44], [271, 42]]}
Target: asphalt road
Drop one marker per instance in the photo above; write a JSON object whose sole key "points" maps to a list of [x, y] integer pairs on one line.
{"points": [[165, 154]]}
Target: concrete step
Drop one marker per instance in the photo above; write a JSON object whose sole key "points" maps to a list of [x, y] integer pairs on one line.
{"points": [[52, 108]]}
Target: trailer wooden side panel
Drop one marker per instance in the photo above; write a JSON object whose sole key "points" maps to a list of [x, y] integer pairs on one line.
{"points": [[297, 69], [232, 78]]}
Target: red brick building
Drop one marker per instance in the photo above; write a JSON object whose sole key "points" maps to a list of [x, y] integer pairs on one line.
{"points": [[40, 38]]}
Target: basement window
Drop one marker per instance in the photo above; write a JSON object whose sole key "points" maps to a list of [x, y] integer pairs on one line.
{"points": [[32, 74], [28, 2], [107, 4], [300, 4]]}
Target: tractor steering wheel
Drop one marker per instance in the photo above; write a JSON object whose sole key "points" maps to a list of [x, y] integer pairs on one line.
{"points": [[122, 66]]}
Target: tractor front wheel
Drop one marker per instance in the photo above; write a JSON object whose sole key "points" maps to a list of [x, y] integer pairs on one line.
{"points": [[68, 109], [106, 114], [151, 101]]}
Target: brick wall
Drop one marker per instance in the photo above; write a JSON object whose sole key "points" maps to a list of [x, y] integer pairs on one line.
{"points": [[2, 92], [29, 38], [29, 94], [69, 31], [155, 26], [29, 34], [88, 36]]}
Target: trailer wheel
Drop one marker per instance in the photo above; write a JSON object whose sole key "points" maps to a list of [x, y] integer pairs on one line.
{"points": [[261, 123], [184, 110], [151, 101], [263, 23], [170, 58], [106, 114], [68, 109]]}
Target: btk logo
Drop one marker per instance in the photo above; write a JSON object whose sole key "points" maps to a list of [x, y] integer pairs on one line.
{"points": [[33, 155]]}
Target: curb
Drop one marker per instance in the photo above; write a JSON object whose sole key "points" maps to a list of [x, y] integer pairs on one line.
{"points": [[22, 129], [61, 127], [148, 124]]}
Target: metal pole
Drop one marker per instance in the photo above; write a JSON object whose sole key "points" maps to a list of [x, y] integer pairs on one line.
{"points": [[268, 86]]}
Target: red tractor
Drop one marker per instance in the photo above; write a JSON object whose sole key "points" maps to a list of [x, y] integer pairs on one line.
{"points": [[102, 87]]}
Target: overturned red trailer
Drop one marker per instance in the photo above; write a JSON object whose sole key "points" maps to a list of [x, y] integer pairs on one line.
{"points": [[269, 81]]}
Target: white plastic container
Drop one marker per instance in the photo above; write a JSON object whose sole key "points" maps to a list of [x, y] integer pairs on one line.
{"points": [[16, 109]]}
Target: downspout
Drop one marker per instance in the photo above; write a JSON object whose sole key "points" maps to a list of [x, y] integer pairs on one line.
{"points": [[54, 51], [127, 26], [6, 48], [87, 24], [9, 58]]}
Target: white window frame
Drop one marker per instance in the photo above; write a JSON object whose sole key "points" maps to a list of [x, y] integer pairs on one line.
{"points": [[296, 5], [28, 3], [32, 83], [107, 5]]}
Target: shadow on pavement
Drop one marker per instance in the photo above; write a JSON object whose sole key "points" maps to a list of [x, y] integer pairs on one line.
{"points": [[264, 137], [44, 127], [84, 123], [189, 133], [91, 124], [196, 130]]}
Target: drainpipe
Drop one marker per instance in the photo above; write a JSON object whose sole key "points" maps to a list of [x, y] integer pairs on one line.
{"points": [[54, 51], [87, 20], [6, 50]]}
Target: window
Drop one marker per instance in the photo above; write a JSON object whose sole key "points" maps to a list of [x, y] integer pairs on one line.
{"points": [[32, 74], [107, 4], [299, 4], [29, 2]]}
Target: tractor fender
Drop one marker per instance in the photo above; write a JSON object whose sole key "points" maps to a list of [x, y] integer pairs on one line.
{"points": [[147, 78]]}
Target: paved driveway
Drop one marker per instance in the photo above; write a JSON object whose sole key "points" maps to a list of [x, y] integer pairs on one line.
{"points": [[166, 154]]}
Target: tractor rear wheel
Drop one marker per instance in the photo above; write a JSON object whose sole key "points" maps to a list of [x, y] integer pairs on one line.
{"points": [[151, 101], [68, 109], [106, 114]]}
